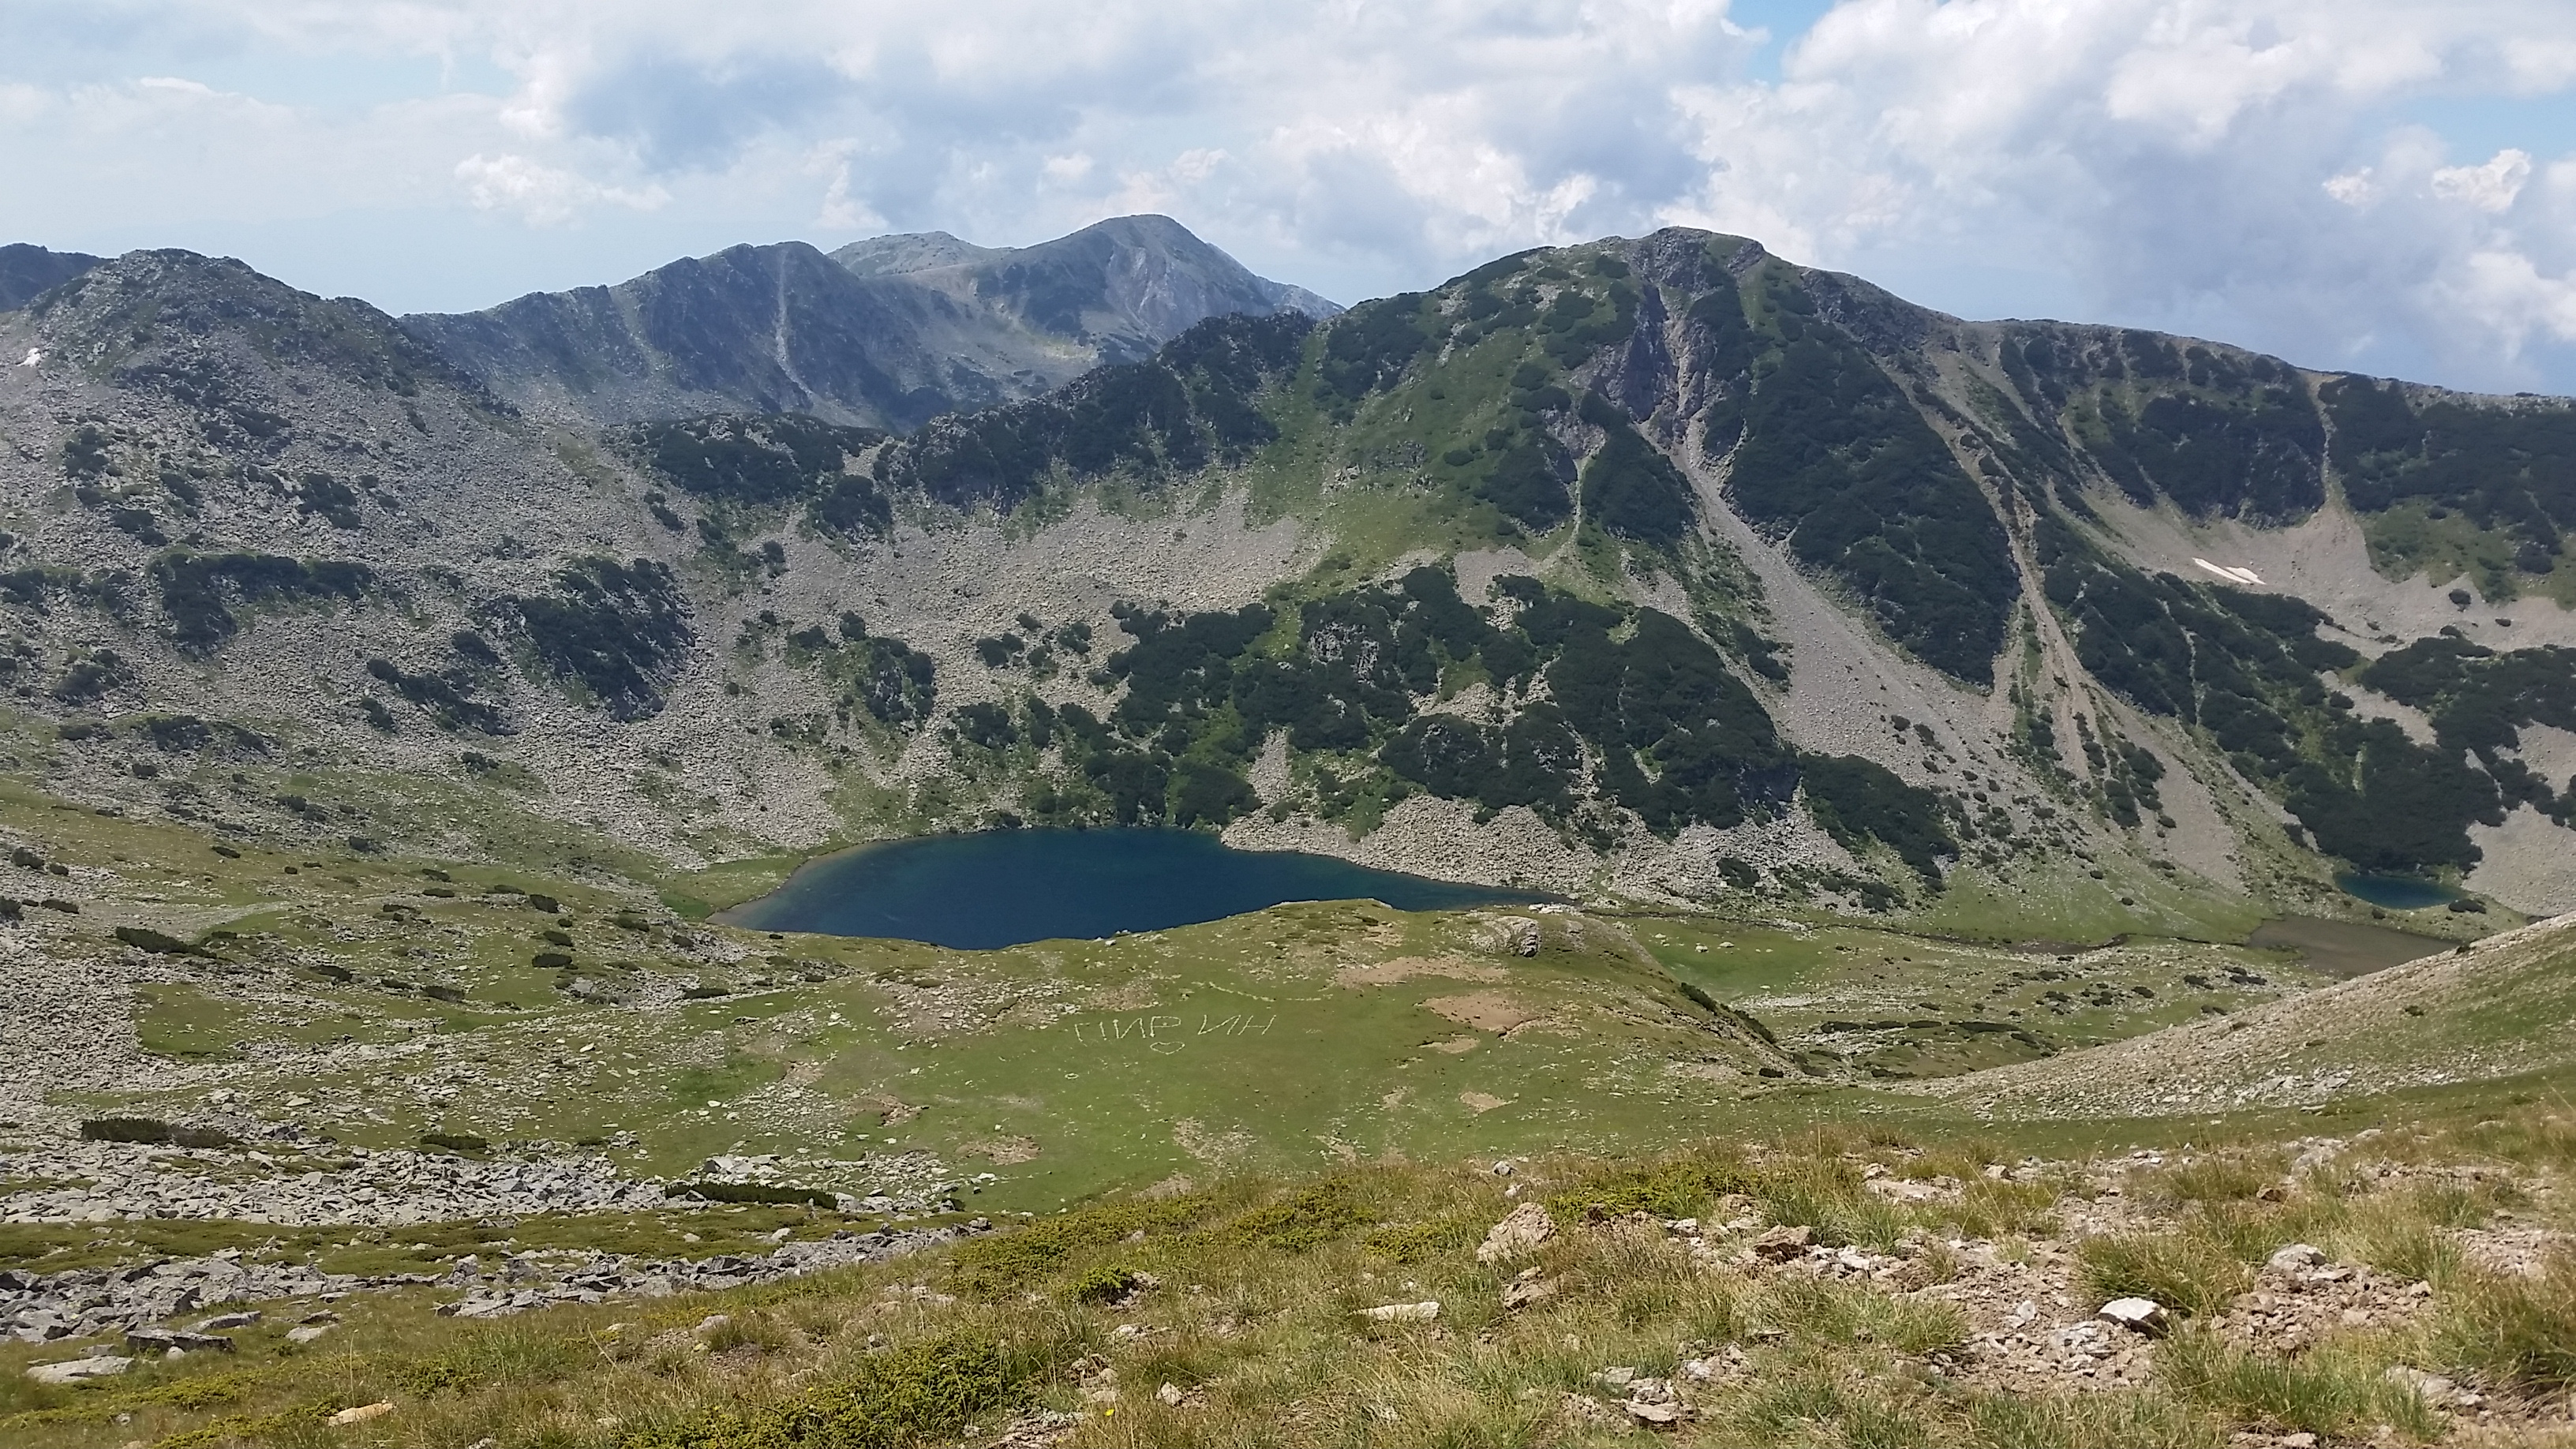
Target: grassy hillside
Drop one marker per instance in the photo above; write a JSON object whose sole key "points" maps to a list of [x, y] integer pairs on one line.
{"points": [[1928, 1289]]}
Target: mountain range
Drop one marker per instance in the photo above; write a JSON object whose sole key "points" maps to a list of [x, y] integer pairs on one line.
{"points": [[888, 332], [1661, 565], [2021, 735]]}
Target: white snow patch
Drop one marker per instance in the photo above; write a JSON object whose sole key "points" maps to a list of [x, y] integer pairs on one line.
{"points": [[33, 357], [2230, 572]]}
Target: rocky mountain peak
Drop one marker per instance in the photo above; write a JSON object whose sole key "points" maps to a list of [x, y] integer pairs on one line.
{"points": [[886, 333]]}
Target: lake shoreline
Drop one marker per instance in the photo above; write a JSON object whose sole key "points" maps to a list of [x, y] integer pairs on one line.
{"points": [[987, 890]]}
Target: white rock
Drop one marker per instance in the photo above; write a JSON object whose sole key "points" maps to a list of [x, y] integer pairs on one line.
{"points": [[362, 1413], [77, 1369], [306, 1333], [2142, 1315], [2295, 1258], [1422, 1312], [1170, 1394]]}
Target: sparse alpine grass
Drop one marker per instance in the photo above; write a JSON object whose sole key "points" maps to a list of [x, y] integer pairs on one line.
{"points": [[2186, 1272], [2513, 1333], [1244, 1298]]}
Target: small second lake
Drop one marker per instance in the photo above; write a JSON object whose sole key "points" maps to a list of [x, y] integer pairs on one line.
{"points": [[2396, 892], [2344, 949], [1009, 887]]}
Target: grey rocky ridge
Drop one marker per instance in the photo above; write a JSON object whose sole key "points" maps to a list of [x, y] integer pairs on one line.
{"points": [[887, 332]]}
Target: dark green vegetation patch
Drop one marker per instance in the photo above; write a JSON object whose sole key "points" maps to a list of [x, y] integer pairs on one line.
{"points": [[751, 1192], [1858, 800], [620, 631], [771, 461], [2221, 433], [2479, 700], [153, 1131], [2507, 468], [1628, 487], [2244, 667], [1193, 404], [1833, 455], [1638, 711], [195, 587], [887, 678]]}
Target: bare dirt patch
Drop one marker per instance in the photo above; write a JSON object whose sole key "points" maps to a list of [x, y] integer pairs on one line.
{"points": [[1007, 1151], [1494, 1011], [1405, 968]]}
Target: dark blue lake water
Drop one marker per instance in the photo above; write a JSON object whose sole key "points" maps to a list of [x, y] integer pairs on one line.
{"points": [[1008, 887], [2396, 892]]}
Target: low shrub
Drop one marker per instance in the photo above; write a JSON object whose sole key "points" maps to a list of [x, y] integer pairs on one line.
{"points": [[1103, 1284], [1681, 1188], [901, 1397], [144, 938], [746, 1192], [1000, 1266], [154, 1131], [1307, 1218]]}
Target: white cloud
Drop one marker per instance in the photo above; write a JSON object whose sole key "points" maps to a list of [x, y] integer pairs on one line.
{"points": [[544, 195], [2357, 187], [2489, 188]]}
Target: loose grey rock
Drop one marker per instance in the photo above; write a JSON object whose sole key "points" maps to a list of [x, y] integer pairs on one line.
{"points": [[1523, 1228], [1779, 1245], [2295, 1258], [73, 1371]]}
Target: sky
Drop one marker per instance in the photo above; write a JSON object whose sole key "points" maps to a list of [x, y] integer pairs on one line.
{"points": [[2383, 185]]}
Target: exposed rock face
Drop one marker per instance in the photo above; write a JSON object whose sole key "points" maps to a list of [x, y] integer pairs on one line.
{"points": [[887, 332]]}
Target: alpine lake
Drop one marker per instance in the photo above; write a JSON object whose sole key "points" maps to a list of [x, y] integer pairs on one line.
{"points": [[992, 889]]}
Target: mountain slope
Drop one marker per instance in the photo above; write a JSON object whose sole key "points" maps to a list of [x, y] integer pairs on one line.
{"points": [[886, 333], [1658, 569], [2494, 1009]]}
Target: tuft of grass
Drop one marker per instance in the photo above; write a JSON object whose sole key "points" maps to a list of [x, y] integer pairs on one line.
{"points": [[2186, 1272], [2339, 1389], [2213, 1178], [1845, 1314], [2148, 1420], [1414, 1242], [2512, 1333]]}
